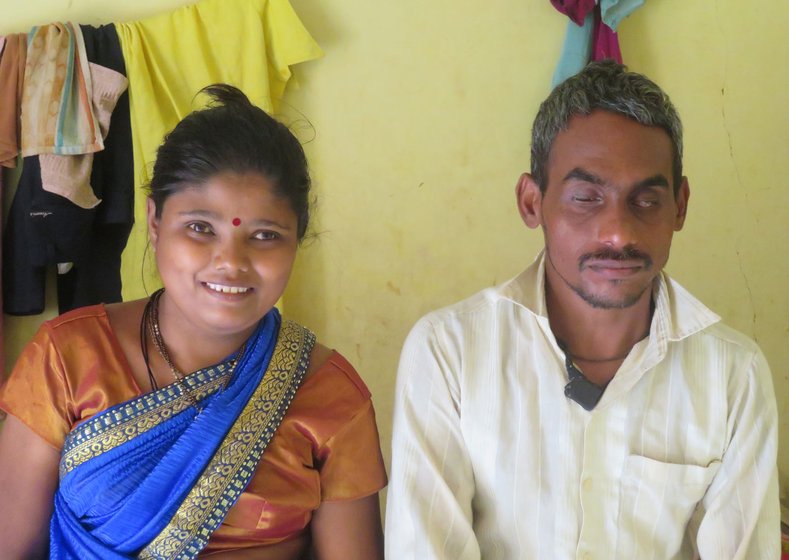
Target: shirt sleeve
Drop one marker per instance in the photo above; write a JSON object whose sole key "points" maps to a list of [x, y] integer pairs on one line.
{"points": [[740, 511], [287, 43], [36, 391], [349, 454], [429, 503]]}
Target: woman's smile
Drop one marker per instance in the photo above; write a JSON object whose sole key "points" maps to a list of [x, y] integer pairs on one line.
{"points": [[223, 289]]}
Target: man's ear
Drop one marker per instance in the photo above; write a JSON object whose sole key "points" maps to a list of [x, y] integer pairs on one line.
{"points": [[153, 224], [683, 194], [529, 197]]}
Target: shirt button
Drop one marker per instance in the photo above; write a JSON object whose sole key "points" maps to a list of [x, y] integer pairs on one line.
{"points": [[587, 484]]}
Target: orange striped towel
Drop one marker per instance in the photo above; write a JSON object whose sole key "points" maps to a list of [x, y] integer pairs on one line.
{"points": [[57, 116]]}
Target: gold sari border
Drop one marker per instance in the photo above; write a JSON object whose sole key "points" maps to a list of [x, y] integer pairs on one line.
{"points": [[126, 421], [237, 458]]}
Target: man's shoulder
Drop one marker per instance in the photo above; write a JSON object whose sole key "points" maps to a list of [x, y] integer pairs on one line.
{"points": [[732, 337], [692, 318], [467, 312], [525, 290], [474, 324], [480, 302], [722, 352]]}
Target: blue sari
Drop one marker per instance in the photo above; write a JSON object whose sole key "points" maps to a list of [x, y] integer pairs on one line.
{"points": [[153, 477]]}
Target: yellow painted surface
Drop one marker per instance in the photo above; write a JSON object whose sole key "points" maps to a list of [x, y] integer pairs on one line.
{"points": [[421, 114]]}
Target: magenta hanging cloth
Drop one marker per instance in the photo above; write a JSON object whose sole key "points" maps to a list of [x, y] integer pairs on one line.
{"points": [[576, 10], [605, 43], [591, 33]]}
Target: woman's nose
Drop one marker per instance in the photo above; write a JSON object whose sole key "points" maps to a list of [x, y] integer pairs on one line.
{"points": [[231, 256]]}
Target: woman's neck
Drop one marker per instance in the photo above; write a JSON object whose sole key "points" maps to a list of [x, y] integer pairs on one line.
{"points": [[190, 347]]}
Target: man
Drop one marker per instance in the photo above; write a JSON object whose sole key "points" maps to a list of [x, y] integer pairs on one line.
{"points": [[590, 407]]}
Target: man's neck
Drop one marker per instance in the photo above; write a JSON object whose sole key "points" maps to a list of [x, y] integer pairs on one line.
{"points": [[597, 339]]}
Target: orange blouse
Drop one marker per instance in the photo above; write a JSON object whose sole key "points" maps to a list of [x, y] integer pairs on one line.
{"points": [[325, 449]]}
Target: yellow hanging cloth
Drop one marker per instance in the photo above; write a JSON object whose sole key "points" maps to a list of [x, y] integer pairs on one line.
{"points": [[250, 44]]}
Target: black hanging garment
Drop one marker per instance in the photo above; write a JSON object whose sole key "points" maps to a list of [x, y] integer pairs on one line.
{"points": [[45, 228]]}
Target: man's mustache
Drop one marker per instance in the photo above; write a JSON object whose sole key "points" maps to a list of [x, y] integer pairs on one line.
{"points": [[609, 254]]}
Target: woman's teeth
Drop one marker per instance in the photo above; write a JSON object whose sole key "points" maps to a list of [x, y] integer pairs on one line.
{"points": [[226, 289]]}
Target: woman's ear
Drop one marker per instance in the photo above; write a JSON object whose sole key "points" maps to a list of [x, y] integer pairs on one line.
{"points": [[529, 198], [153, 224]]}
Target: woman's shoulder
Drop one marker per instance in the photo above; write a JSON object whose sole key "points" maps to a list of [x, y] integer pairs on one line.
{"points": [[70, 328], [332, 408], [83, 315], [105, 321], [124, 318], [74, 369], [330, 369]]}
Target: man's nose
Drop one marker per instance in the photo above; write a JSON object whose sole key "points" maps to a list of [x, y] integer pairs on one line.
{"points": [[618, 226]]}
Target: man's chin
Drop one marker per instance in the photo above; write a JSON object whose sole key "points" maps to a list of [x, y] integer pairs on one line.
{"points": [[609, 300]]}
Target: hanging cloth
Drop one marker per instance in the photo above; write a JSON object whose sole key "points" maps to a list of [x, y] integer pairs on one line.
{"points": [[614, 11], [57, 114], [67, 227], [2, 347], [591, 33], [13, 53], [2, 356], [576, 10], [605, 43], [250, 44], [69, 176], [12, 77]]}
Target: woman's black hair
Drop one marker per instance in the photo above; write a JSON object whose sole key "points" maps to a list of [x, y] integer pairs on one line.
{"points": [[232, 135]]}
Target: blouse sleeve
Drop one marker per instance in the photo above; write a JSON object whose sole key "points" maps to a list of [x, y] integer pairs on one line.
{"points": [[352, 465], [350, 462], [36, 391]]}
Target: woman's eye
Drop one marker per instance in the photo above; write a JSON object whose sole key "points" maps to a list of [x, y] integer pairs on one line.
{"points": [[265, 235], [200, 227]]}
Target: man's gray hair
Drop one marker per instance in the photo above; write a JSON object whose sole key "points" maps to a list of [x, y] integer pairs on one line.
{"points": [[605, 85]]}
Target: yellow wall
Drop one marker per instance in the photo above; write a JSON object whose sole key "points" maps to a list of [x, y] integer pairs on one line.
{"points": [[422, 112]]}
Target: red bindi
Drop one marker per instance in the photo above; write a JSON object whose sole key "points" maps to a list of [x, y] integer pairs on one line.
{"points": [[236, 222]]}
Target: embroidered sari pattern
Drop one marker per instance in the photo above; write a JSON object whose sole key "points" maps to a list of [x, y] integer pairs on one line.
{"points": [[154, 476], [236, 460], [128, 420]]}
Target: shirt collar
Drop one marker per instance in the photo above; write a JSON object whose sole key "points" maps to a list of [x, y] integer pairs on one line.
{"points": [[677, 313]]}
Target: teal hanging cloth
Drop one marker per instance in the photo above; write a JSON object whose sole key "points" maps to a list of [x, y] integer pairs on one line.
{"points": [[591, 33]]}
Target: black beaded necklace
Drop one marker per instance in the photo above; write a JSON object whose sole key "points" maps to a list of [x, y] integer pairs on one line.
{"points": [[149, 324], [144, 322]]}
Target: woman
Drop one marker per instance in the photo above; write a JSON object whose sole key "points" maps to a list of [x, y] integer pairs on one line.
{"points": [[268, 449]]}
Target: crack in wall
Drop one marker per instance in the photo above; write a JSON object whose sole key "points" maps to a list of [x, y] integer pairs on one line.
{"points": [[731, 144], [737, 174], [750, 295]]}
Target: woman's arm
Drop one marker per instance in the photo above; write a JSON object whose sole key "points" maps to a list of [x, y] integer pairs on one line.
{"points": [[292, 549], [348, 530], [28, 480]]}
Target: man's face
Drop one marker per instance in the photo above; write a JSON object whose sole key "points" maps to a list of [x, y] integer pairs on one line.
{"points": [[609, 210]]}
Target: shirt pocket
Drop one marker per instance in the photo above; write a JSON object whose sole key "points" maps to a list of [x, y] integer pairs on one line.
{"points": [[656, 502]]}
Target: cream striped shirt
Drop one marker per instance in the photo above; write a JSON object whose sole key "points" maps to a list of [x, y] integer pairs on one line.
{"points": [[491, 461]]}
